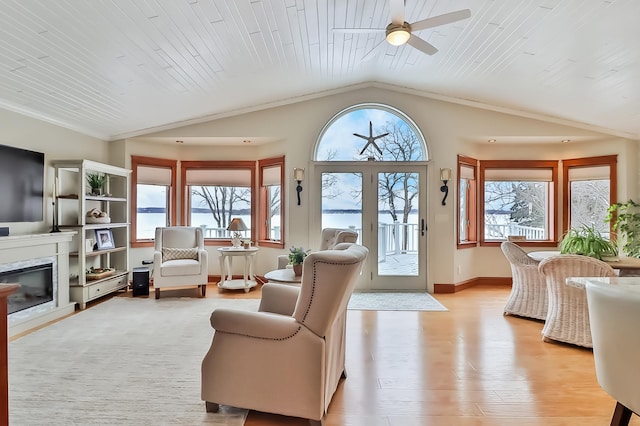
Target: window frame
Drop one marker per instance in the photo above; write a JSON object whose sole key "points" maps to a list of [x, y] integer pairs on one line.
{"points": [[552, 214], [264, 204], [471, 204], [221, 165], [164, 163], [604, 160]]}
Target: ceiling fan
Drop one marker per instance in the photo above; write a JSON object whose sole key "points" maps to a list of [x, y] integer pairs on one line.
{"points": [[399, 32]]}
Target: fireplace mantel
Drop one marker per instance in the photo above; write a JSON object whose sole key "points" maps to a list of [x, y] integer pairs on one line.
{"points": [[19, 248]]}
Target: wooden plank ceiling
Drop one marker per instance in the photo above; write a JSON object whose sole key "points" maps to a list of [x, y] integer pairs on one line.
{"points": [[116, 68]]}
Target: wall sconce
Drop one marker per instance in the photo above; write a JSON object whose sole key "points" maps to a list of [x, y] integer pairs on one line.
{"points": [[298, 176], [445, 175]]}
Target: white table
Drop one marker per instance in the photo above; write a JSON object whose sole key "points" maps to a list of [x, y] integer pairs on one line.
{"points": [[580, 282], [248, 280], [283, 276]]}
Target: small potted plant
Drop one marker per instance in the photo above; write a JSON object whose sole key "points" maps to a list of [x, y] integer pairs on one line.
{"points": [[588, 241], [96, 181], [296, 257]]}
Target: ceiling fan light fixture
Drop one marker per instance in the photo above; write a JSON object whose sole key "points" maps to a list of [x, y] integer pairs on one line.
{"points": [[397, 35]]}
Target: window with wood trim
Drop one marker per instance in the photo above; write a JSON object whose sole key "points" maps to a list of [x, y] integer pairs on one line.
{"points": [[589, 188], [271, 202], [153, 197], [467, 202], [215, 192], [518, 198]]}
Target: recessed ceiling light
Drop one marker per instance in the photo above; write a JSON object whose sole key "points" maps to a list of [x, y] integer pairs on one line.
{"points": [[491, 141]]}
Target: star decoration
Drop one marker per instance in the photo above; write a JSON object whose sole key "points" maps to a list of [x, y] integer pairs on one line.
{"points": [[371, 139]]}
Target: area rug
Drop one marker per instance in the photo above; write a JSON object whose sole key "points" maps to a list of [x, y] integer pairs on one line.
{"points": [[394, 301], [125, 361]]}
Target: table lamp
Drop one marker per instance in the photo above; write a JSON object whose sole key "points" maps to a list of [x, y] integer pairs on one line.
{"points": [[236, 226]]}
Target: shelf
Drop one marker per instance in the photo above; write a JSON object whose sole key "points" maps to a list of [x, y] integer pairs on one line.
{"points": [[97, 225], [99, 252], [89, 197], [104, 198], [117, 273]]}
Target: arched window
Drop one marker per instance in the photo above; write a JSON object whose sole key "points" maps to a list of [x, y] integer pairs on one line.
{"points": [[370, 132]]}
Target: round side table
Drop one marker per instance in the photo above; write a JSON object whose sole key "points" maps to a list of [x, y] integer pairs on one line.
{"points": [[248, 280]]}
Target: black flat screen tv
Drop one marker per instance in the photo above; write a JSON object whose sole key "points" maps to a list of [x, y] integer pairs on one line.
{"points": [[21, 185]]}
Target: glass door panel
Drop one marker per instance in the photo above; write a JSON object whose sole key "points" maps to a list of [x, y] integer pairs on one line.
{"points": [[342, 201], [398, 223]]}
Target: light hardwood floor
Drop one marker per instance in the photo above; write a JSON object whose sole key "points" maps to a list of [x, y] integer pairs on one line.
{"points": [[468, 366]]}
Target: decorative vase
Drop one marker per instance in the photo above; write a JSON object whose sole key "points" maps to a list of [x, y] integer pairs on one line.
{"points": [[297, 269]]}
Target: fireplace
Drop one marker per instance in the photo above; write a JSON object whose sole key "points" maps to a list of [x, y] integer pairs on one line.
{"points": [[38, 286]]}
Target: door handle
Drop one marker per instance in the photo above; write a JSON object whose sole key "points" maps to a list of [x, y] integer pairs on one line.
{"points": [[423, 228]]}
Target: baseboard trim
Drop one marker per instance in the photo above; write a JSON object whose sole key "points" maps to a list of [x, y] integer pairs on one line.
{"points": [[463, 285]]}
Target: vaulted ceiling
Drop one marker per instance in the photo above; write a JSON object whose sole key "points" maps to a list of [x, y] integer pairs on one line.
{"points": [[119, 68]]}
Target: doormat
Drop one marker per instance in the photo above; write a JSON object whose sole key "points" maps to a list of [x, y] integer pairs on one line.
{"points": [[394, 301]]}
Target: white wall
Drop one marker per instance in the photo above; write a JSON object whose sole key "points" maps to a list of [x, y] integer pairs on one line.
{"points": [[450, 129], [56, 143]]}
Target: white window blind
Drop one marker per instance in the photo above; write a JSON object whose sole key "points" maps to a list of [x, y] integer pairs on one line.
{"points": [[271, 176], [466, 172], [219, 177], [150, 175], [589, 173], [512, 175]]}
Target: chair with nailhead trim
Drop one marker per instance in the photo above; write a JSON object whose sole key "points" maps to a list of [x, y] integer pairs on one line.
{"points": [[287, 358]]}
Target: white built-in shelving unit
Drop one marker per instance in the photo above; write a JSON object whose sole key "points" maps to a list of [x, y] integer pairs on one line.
{"points": [[73, 200]]}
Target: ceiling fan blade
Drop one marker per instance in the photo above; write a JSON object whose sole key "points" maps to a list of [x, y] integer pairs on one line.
{"points": [[358, 30], [436, 21], [422, 45], [396, 10]]}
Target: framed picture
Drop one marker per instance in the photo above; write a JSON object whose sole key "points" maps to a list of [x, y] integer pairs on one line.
{"points": [[104, 239]]}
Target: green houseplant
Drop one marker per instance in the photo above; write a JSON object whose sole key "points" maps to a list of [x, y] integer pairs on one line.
{"points": [[296, 257], [96, 181], [625, 218], [587, 241]]}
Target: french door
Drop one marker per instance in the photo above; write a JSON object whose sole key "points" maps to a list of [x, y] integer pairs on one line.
{"points": [[386, 204]]}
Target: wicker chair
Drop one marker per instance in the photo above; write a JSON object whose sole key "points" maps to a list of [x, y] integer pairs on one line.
{"points": [[528, 296], [568, 315]]}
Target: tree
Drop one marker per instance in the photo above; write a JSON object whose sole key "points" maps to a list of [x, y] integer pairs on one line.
{"points": [[589, 204], [523, 202], [222, 201], [398, 190]]}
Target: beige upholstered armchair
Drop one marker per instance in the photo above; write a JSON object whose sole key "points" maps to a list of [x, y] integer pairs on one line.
{"points": [[568, 314], [330, 237], [614, 314], [288, 357], [528, 296], [179, 259]]}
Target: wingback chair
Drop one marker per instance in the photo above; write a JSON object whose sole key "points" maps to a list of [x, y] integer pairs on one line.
{"points": [[614, 314], [528, 296], [288, 357], [180, 259], [568, 314], [330, 237]]}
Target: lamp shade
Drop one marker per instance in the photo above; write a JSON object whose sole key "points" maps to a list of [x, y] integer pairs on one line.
{"points": [[237, 224]]}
